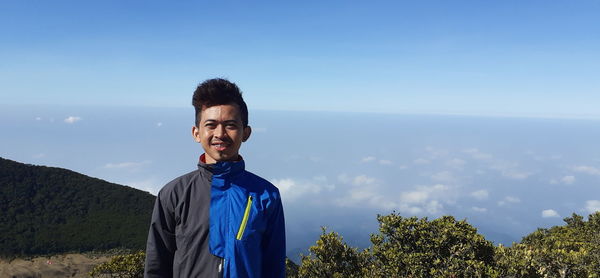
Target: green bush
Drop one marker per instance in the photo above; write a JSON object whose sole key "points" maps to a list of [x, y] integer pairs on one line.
{"points": [[572, 250], [331, 257], [121, 266], [444, 247]]}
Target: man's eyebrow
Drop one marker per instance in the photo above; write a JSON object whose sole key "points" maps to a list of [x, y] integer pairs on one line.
{"points": [[225, 122]]}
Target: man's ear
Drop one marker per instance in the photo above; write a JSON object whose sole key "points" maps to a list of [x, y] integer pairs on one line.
{"points": [[196, 133], [247, 132]]}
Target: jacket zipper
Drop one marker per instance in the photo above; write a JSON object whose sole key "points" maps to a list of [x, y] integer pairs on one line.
{"points": [[221, 265], [240, 233]]}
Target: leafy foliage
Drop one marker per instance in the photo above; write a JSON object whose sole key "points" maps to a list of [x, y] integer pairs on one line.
{"points": [[331, 257], [121, 266], [132, 266], [444, 247], [52, 210], [291, 268], [572, 250]]}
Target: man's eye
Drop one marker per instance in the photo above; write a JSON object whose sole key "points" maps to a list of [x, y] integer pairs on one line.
{"points": [[231, 126], [210, 125]]}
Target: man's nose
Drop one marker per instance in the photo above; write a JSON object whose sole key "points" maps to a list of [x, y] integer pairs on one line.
{"points": [[219, 131]]}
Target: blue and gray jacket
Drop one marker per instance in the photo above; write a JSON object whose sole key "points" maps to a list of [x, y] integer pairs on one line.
{"points": [[217, 221]]}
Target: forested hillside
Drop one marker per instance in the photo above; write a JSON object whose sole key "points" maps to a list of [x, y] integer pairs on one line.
{"points": [[47, 210]]}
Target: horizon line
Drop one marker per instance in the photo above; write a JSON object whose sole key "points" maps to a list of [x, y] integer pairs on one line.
{"points": [[406, 113]]}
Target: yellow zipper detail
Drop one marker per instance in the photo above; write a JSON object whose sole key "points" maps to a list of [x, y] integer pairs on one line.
{"points": [[245, 219]]}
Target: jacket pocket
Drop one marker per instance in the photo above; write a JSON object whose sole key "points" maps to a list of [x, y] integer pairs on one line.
{"points": [[242, 228]]}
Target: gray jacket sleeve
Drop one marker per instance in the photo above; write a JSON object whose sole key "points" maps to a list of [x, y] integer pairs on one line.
{"points": [[161, 246]]}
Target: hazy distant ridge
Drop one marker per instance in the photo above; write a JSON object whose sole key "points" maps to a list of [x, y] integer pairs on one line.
{"points": [[47, 210]]}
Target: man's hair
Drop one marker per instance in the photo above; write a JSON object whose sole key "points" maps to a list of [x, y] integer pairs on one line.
{"points": [[218, 91]]}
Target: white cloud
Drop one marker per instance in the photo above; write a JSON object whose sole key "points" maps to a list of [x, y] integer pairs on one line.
{"points": [[39, 155], [423, 193], [38, 118], [478, 209], [515, 174], [436, 153], [344, 178], [547, 213], [150, 185], [72, 119], [421, 161], [509, 200], [456, 163], [507, 169], [402, 167], [590, 170], [320, 178], [314, 158], [512, 199], [433, 207], [368, 159], [480, 194], [510, 170], [444, 176], [159, 124], [129, 165], [478, 155], [363, 180], [425, 199], [410, 210], [363, 192], [285, 186], [568, 179], [291, 189], [413, 197], [592, 206], [430, 207], [544, 158], [385, 162]]}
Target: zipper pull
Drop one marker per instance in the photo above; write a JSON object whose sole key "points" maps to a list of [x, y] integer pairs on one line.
{"points": [[240, 232]]}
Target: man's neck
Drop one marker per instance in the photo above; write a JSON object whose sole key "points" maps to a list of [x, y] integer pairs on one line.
{"points": [[212, 161]]}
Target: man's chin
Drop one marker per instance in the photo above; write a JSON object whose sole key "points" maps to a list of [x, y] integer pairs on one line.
{"points": [[221, 157]]}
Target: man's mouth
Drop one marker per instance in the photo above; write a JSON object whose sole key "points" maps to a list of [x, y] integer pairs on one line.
{"points": [[220, 146]]}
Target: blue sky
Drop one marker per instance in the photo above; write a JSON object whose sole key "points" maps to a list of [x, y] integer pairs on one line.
{"points": [[519, 58], [463, 89]]}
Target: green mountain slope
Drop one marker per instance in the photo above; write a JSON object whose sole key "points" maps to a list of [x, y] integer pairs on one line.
{"points": [[47, 210]]}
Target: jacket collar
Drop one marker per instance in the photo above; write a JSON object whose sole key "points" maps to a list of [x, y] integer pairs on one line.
{"points": [[223, 169]]}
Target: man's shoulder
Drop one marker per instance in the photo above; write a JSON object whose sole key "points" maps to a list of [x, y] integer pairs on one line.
{"points": [[178, 183], [260, 183]]}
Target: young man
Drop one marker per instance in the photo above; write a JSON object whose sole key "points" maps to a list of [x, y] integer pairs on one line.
{"points": [[219, 220]]}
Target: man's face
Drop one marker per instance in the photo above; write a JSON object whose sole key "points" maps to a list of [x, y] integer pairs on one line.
{"points": [[221, 132]]}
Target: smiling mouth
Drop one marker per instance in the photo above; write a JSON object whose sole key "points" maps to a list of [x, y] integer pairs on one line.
{"points": [[220, 146]]}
